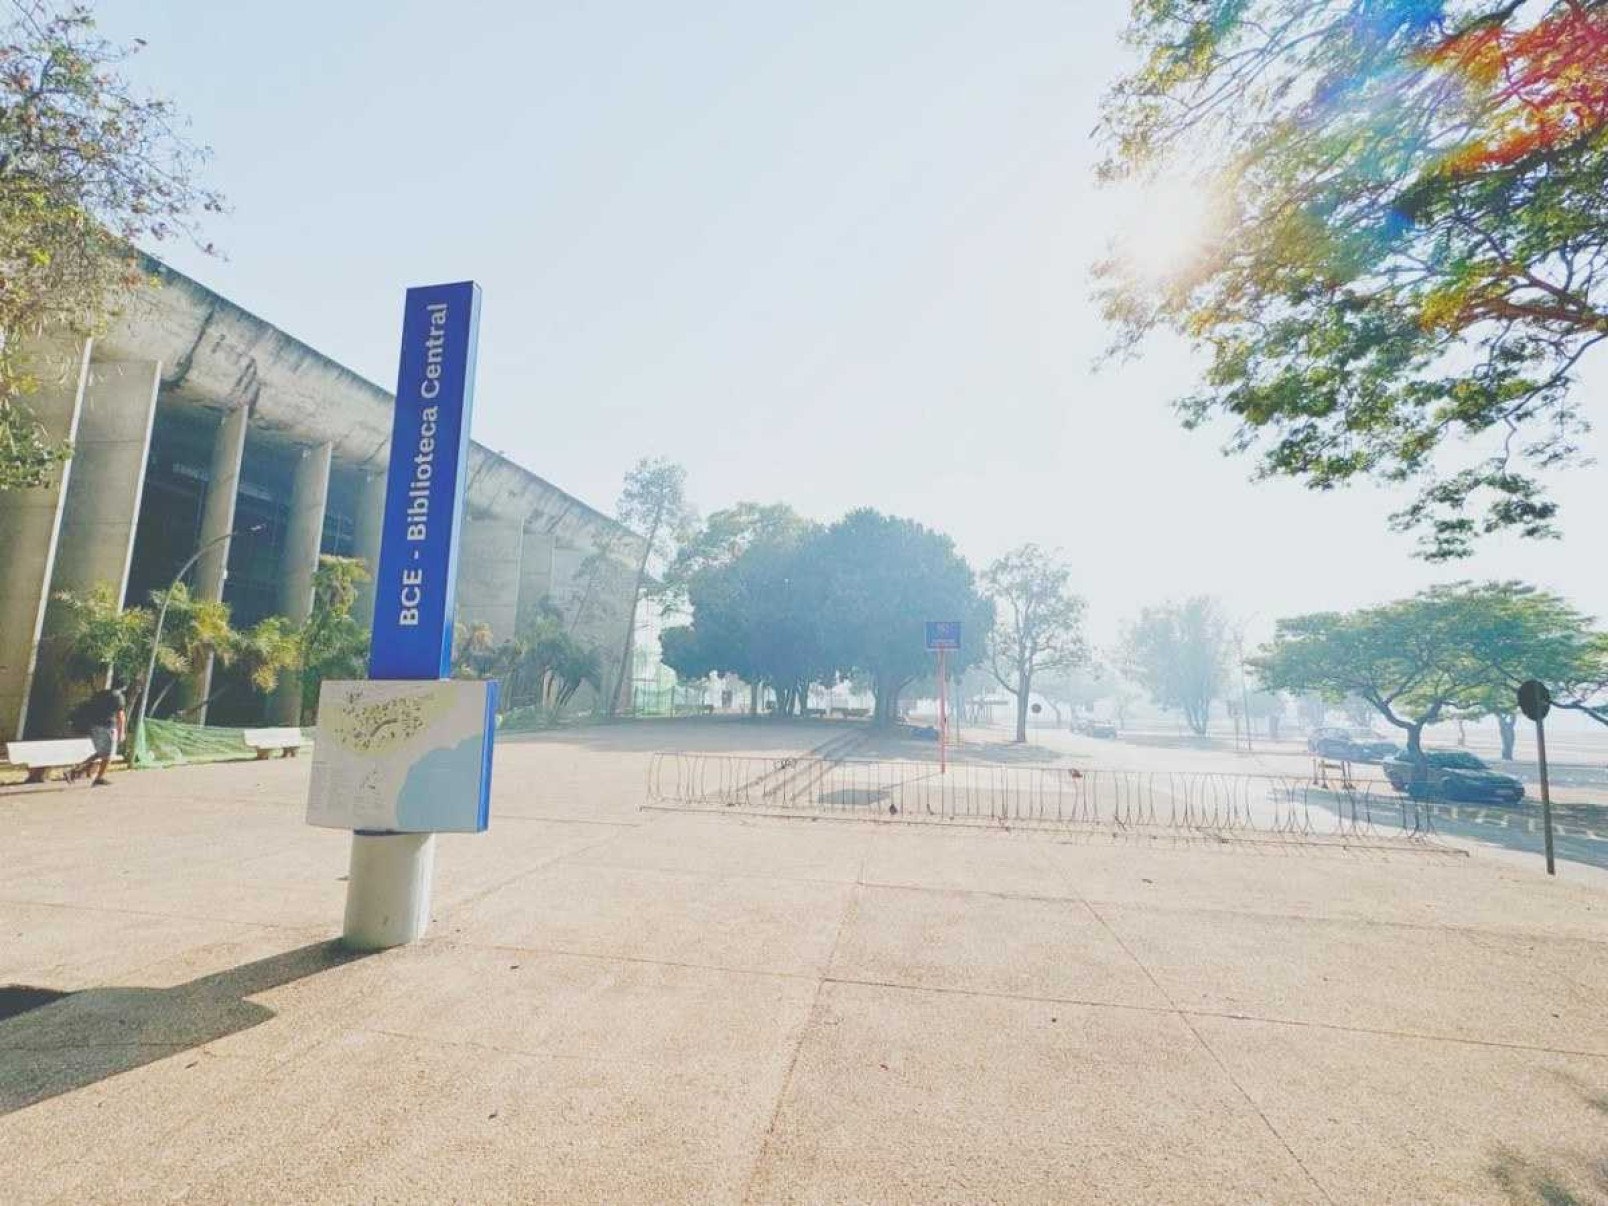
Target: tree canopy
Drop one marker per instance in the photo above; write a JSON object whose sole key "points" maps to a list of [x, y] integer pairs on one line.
{"points": [[746, 576], [1405, 256], [1447, 651], [881, 578], [88, 169], [1179, 653], [780, 601]]}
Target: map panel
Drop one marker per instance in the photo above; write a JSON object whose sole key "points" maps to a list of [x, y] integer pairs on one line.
{"points": [[408, 757]]}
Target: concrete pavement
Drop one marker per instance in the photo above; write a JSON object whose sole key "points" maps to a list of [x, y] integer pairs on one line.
{"points": [[616, 1004]]}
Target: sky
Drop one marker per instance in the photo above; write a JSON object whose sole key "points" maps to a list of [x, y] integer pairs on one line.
{"points": [[833, 255]]}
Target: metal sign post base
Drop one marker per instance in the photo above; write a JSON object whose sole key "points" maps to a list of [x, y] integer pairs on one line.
{"points": [[388, 889]]}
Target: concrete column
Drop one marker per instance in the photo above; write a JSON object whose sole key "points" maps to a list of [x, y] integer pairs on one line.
{"points": [[488, 573], [102, 504], [218, 511], [304, 537], [535, 576], [367, 527], [217, 521], [30, 524]]}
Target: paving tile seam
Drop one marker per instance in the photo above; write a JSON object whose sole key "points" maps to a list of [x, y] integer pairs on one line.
{"points": [[612, 957], [1215, 1058], [1219, 910], [810, 1023], [708, 875], [533, 869], [91, 908], [552, 820]]}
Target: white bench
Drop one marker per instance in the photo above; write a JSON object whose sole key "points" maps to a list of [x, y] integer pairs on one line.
{"points": [[39, 758], [266, 741]]}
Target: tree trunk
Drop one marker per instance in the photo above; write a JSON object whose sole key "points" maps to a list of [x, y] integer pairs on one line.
{"points": [[1507, 723], [1272, 728], [1024, 683], [1199, 717], [753, 699], [887, 701]]}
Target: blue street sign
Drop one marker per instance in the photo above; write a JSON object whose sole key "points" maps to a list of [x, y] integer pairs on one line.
{"points": [[416, 581], [943, 634]]}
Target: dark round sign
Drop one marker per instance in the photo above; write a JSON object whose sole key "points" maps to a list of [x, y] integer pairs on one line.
{"points": [[1534, 699], [1037, 708]]}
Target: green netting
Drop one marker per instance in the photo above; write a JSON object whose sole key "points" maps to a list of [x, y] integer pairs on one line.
{"points": [[173, 743]]}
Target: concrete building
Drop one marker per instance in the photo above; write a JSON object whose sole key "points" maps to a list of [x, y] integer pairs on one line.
{"points": [[192, 419]]}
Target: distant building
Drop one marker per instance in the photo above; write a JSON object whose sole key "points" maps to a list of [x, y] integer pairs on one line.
{"points": [[191, 419]]}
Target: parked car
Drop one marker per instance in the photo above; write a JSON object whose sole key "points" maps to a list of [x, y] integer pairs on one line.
{"points": [[1329, 743], [1102, 728], [1453, 775], [1373, 749], [1346, 746]]}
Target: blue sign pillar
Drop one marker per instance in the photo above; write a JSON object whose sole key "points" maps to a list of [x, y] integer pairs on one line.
{"points": [[362, 767], [416, 583]]}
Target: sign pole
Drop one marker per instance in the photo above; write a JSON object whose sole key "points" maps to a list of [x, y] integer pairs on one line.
{"points": [[1535, 701], [943, 715], [1546, 797]]}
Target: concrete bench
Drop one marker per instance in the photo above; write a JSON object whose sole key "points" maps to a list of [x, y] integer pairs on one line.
{"points": [[39, 758], [266, 741]]}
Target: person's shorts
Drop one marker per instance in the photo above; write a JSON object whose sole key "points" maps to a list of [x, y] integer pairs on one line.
{"points": [[104, 739]]}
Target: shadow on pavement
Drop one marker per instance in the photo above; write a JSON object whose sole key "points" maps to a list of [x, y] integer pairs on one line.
{"points": [[689, 734], [84, 1037]]}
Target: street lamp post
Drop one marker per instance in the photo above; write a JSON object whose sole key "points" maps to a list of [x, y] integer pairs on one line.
{"points": [[161, 618]]}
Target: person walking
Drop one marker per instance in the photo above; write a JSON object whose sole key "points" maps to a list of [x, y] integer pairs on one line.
{"points": [[104, 717]]}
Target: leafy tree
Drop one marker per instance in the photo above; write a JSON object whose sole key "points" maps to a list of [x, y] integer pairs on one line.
{"points": [[1038, 622], [88, 168], [726, 534], [1415, 661], [1266, 706], [1312, 710], [333, 643], [1533, 633], [542, 668], [654, 503], [93, 636], [744, 576], [877, 580], [1407, 238], [1179, 652]]}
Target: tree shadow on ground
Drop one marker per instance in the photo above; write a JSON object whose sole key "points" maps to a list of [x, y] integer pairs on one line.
{"points": [[891, 744], [691, 734], [1174, 741], [85, 1037], [1570, 1179]]}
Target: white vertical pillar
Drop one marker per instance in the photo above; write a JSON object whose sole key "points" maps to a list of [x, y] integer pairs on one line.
{"points": [[30, 524], [535, 576], [218, 511], [304, 537], [488, 573], [388, 889], [101, 507], [217, 522], [367, 529]]}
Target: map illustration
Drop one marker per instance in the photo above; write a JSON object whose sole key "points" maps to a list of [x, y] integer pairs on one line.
{"points": [[409, 757]]}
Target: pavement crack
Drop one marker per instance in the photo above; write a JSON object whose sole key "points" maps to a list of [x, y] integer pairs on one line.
{"points": [[810, 1020], [1212, 1054]]}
